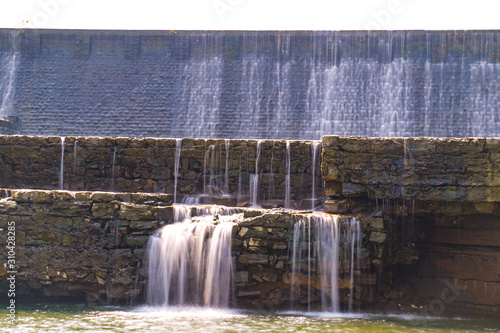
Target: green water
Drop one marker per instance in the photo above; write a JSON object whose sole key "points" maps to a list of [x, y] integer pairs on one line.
{"points": [[148, 319]]}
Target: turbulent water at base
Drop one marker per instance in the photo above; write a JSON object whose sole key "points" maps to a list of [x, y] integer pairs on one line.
{"points": [[45, 318], [189, 262]]}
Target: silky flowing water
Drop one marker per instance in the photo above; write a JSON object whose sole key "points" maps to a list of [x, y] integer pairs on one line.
{"points": [[58, 318]]}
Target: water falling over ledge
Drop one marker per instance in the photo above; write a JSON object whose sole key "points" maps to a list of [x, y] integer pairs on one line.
{"points": [[193, 261], [189, 261]]}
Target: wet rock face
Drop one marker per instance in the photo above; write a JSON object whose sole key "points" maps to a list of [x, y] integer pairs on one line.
{"points": [[263, 243], [80, 245], [442, 198], [214, 168], [444, 169]]}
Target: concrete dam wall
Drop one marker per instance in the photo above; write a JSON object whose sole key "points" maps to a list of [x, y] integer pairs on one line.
{"points": [[250, 85]]}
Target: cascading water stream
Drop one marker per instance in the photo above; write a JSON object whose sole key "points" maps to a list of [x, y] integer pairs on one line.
{"points": [[226, 170], [287, 179], [61, 167], [317, 237], [314, 147], [7, 84], [352, 248], [113, 170], [189, 262], [254, 179], [316, 261], [178, 147]]}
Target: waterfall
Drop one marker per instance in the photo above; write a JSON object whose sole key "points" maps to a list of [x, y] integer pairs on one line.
{"points": [[61, 167], [251, 86], [278, 85], [178, 146], [113, 170], [201, 97], [7, 84], [75, 150], [254, 179], [226, 170], [316, 251], [352, 248], [189, 262], [317, 264], [327, 240], [314, 147], [287, 179]]}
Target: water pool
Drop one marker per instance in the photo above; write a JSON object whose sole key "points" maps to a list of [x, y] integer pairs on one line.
{"points": [[58, 318]]}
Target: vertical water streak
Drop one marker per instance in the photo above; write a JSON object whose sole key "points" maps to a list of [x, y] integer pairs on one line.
{"points": [[202, 79], [281, 94], [61, 167], [270, 188], [218, 274], [113, 170], [254, 179], [317, 237], [212, 179], [327, 240], [353, 246], [205, 170], [298, 240], [428, 96], [240, 184], [8, 82], [75, 146], [178, 147], [226, 172], [309, 259], [251, 87], [287, 179], [314, 146]]}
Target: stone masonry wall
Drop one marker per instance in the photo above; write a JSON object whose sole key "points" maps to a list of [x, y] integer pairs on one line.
{"points": [[148, 165], [91, 246], [79, 245], [263, 245], [443, 196], [443, 169]]}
